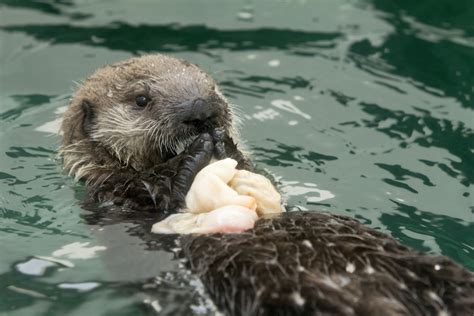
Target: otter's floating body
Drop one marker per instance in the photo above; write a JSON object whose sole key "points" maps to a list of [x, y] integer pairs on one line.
{"points": [[139, 131], [310, 263]]}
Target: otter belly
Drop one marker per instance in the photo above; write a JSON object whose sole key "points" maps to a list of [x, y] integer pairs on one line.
{"points": [[223, 199], [315, 263]]}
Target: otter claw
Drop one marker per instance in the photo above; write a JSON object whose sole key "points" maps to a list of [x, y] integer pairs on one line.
{"points": [[219, 137], [218, 134], [196, 157]]}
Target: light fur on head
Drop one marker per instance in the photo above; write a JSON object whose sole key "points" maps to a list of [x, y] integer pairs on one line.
{"points": [[104, 129]]}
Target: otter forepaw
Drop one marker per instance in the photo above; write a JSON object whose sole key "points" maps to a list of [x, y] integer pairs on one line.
{"points": [[225, 147], [197, 156], [220, 137], [202, 144]]}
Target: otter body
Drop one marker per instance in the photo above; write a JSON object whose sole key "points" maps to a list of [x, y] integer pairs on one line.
{"points": [[313, 263], [137, 132]]}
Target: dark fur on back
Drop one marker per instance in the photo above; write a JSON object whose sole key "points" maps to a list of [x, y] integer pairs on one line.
{"points": [[312, 263]]}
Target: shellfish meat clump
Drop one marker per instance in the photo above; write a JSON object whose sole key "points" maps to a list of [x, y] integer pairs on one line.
{"points": [[223, 199]]}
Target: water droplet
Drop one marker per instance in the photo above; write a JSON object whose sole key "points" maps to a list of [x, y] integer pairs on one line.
{"points": [[298, 299], [350, 267], [369, 270], [307, 243]]}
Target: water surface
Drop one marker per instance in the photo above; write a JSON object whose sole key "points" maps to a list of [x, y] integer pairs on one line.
{"points": [[363, 108]]}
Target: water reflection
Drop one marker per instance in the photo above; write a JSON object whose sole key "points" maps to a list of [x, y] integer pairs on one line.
{"points": [[289, 156], [173, 38], [377, 101], [448, 233], [443, 64], [427, 131], [26, 102], [54, 7], [401, 174]]}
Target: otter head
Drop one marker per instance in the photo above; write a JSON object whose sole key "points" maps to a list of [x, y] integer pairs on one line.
{"points": [[140, 112]]}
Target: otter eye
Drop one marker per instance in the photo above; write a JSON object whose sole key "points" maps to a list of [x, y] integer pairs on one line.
{"points": [[142, 100]]}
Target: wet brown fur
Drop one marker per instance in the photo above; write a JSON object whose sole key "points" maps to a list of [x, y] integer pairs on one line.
{"points": [[131, 155], [313, 263]]}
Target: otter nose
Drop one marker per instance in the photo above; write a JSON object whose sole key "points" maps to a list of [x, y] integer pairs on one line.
{"points": [[199, 112]]}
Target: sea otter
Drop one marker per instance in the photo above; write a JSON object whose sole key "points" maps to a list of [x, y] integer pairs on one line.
{"points": [[138, 132]]}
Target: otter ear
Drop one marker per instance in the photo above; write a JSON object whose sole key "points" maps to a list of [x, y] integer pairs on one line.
{"points": [[88, 112]]}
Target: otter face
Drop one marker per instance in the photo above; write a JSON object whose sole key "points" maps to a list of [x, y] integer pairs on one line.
{"points": [[146, 110]]}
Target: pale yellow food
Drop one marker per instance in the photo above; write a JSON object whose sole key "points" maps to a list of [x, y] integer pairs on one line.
{"points": [[210, 191], [260, 188], [223, 199], [227, 219]]}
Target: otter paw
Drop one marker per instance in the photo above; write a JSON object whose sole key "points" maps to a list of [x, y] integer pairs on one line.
{"points": [[219, 137], [196, 157]]}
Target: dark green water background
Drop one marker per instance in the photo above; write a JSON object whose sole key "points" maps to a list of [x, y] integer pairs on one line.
{"points": [[363, 108]]}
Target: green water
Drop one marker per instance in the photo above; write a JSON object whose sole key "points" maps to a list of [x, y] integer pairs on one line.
{"points": [[363, 108]]}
